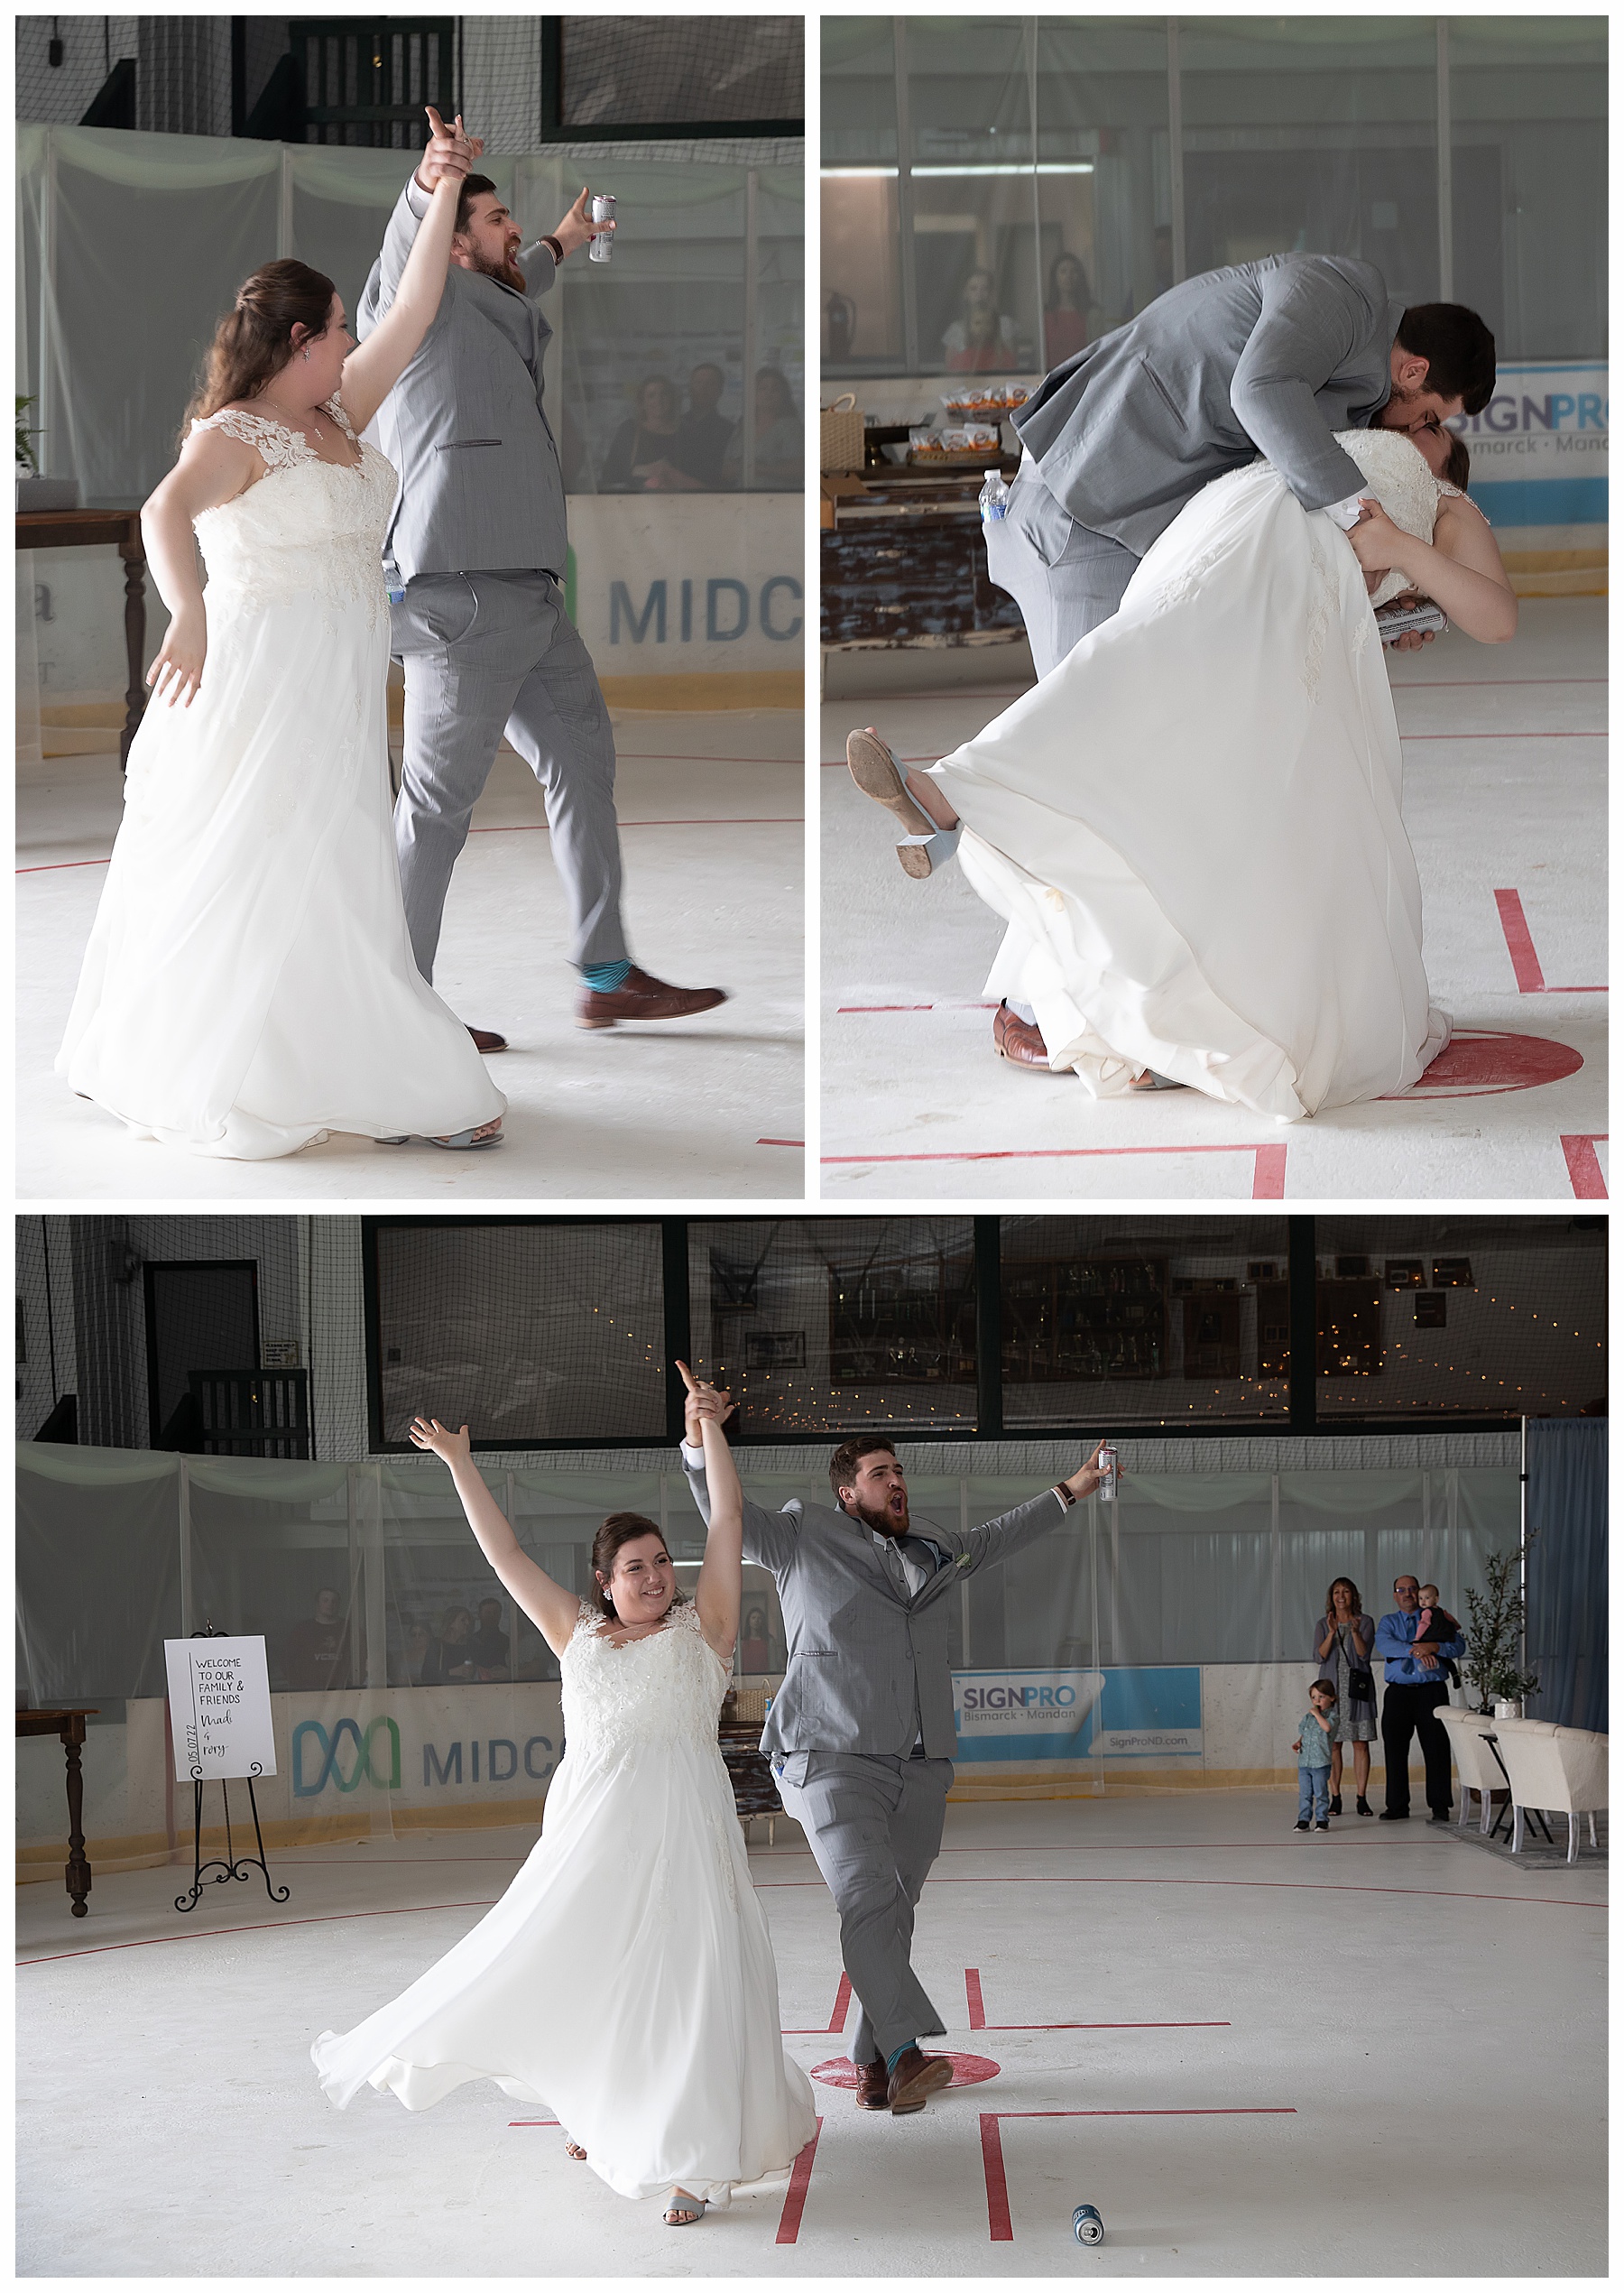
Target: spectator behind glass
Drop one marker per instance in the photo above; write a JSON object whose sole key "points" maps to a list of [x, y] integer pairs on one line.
{"points": [[316, 1652], [1065, 310], [1343, 1645], [490, 1643], [755, 1651], [981, 340], [450, 1658], [779, 464], [641, 458], [419, 1641], [702, 439]]}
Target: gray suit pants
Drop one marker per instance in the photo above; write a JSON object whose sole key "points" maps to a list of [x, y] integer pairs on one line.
{"points": [[1065, 577], [874, 1827], [485, 654]]}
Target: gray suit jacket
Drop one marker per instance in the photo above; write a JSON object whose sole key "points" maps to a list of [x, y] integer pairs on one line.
{"points": [[481, 486], [1265, 359], [859, 1652]]}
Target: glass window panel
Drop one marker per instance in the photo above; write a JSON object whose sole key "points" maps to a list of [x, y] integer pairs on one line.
{"points": [[1103, 187], [527, 1333], [1528, 192], [1312, 132], [1158, 1321], [862, 292], [281, 1566], [1437, 1317], [836, 1325], [681, 70]]}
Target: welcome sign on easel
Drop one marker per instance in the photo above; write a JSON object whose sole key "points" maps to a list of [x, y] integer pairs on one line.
{"points": [[219, 1695]]}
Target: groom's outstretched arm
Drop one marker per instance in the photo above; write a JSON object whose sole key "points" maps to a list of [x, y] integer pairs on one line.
{"points": [[1314, 317], [996, 1539]]}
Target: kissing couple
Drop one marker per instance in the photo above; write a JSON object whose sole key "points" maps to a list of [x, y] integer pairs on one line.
{"points": [[626, 1979]]}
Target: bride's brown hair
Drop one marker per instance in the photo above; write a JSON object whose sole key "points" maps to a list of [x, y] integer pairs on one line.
{"points": [[620, 1528], [253, 341]]}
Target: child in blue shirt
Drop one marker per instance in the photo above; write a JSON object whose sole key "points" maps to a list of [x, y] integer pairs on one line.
{"points": [[1313, 1748]]}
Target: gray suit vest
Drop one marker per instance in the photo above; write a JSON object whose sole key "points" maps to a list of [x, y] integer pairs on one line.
{"points": [[860, 1654], [481, 486]]}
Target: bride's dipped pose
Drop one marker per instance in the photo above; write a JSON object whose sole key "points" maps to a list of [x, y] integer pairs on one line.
{"points": [[249, 983], [626, 1978], [1193, 825]]}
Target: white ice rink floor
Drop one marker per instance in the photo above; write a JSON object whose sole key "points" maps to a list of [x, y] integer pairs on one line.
{"points": [[1504, 782], [1380, 2053], [712, 811]]}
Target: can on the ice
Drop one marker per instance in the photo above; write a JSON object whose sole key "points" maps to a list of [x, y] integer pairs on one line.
{"points": [[1108, 1466], [1087, 2227], [603, 241]]}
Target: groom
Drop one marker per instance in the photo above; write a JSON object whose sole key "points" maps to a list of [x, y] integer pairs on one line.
{"points": [[861, 1733], [474, 557]]}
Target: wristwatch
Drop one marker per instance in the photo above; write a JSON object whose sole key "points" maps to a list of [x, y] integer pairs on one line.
{"points": [[547, 240], [1066, 1495]]}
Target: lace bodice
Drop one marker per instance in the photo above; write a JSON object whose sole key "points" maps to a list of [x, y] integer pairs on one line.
{"points": [[1397, 473], [669, 1684], [307, 527]]}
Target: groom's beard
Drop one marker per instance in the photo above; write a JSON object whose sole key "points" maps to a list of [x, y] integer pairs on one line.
{"points": [[508, 273], [881, 1518]]}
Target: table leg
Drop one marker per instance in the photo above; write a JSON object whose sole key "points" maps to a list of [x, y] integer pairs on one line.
{"points": [[134, 562], [78, 1868]]}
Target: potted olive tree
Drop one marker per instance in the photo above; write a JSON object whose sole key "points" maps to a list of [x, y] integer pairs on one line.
{"points": [[1494, 1619], [34, 492]]}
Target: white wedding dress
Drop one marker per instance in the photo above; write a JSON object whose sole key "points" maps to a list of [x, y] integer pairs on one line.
{"points": [[249, 984], [1193, 826], [626, 1979]]}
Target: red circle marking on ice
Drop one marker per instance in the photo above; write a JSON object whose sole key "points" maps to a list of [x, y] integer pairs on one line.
{"points": [[1479, 1061], [968, 2070]]}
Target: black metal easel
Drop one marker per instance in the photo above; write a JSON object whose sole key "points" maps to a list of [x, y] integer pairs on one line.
{"points": [[234, 1866]]}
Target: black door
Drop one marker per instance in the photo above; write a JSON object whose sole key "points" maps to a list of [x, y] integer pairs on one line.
{"points": [[202, 1314]]}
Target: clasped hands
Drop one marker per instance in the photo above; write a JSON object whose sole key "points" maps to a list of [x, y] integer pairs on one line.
{"points": [[452, 152], [701, 1400], [1379, 545]]}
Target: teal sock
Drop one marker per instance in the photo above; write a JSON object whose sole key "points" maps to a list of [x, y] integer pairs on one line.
{"points": [[605, 978], [893, 2059]]}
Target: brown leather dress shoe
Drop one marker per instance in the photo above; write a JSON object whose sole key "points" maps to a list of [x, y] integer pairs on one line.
{"points": [[484, 1041], [872, 2086], [915, 2077], [1018, 1040], [639, 996]]}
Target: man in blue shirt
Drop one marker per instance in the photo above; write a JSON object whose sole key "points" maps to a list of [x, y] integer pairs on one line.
{"points": [[1410, 1704]]}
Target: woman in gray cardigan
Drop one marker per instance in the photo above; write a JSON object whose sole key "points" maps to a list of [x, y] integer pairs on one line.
{"points": [[1343, 1645]]}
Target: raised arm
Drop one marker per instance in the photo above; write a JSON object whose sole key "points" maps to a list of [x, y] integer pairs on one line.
{"points": [[211, 469], [769, 1537], [996, 1539], [717, 1594], [375, 366], [548, 1607]]}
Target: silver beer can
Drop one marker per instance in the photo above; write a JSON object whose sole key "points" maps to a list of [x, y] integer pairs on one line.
{"points": [[1108, 1466], [602, 244]]}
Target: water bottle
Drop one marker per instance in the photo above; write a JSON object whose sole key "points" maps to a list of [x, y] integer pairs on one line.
{"points": [[994, 498], [603, 241]]}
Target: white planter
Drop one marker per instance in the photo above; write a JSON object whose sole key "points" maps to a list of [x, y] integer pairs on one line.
{"points": [[1505, 1708]]}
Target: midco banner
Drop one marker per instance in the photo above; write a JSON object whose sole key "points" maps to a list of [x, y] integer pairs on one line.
{"points": [[675, 585], [1539, 448], [1143, 1712], [421, 1747]]}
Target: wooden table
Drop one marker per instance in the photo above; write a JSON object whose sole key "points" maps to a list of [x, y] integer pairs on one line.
{"points": [[905, 561], [68, 1724], [92, 529]]}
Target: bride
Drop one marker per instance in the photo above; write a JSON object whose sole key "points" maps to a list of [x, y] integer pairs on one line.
{"points": [[249, 984], [626, 1980], [1193, 825]]}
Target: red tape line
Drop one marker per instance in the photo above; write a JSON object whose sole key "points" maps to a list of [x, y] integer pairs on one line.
{"points": [[795, 2197], [1584, 1165]]}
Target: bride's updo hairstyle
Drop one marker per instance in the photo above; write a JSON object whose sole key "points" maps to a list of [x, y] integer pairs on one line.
{"points": [[252, 342], [620, 1529]]}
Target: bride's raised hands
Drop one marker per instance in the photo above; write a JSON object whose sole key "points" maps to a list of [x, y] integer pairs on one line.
{"points": [[373, 369], [548, 1606], [720, 1588]]}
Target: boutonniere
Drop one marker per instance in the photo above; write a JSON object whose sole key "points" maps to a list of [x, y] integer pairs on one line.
{"points": [[964, 1560]]}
